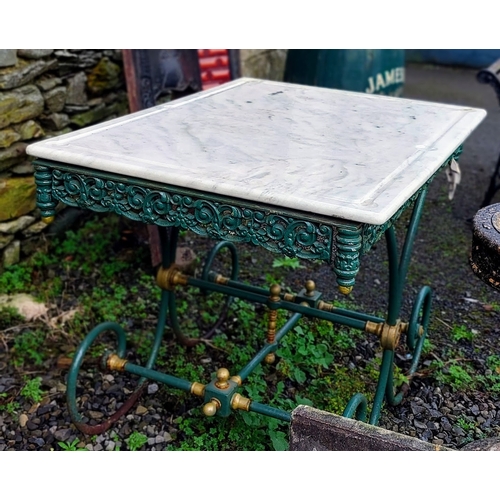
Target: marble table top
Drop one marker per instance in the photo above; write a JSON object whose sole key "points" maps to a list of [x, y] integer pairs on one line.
{"points": [[328, 152]]}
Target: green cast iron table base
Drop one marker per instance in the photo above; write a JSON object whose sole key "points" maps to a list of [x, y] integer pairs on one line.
{"points": [[341, 243]]}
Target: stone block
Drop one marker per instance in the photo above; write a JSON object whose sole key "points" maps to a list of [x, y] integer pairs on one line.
{"points": [[29, 130], [24, 168], [7, 57], [106, 75], [8, 136], [55, 99], [268, 64], [34, 53], [20, 105], [98, 114], [55, 121], [13, 226], [24, 72], [5, 239], [77, 90], [317, 430], [12, 254], [17, 197], [12, 155], [47, 82]]}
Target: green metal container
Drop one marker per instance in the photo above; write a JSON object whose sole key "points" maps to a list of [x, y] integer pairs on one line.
{"points": [[374, 71]]}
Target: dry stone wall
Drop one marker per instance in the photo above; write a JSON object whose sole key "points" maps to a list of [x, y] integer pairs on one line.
{"points": [[43, 93]]}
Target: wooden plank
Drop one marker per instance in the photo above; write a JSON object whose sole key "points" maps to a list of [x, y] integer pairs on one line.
{"points": [[316, 430]]}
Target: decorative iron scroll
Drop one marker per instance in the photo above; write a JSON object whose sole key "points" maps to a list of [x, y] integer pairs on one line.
{"points": [[371, 234], [276, 233]]}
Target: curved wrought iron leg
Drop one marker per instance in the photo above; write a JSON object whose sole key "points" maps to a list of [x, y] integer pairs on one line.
{"points": [[398, 268], [169, 245]]}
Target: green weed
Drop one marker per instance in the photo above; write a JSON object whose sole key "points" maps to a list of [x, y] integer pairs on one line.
{"points": [[287, 262], [136, 441], [32, 391], [454, 375], [71, 446], [461, 333], [15, 279], [28, 348]]}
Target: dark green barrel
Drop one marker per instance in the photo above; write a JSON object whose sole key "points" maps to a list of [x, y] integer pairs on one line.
{"points": [[374, 71]]}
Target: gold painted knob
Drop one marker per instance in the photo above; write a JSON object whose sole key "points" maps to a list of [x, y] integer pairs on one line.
{"points": [[310, 287], [222, 378], [345, 290], [270, 358], [48, 220], [275, 290], [210, 409]]}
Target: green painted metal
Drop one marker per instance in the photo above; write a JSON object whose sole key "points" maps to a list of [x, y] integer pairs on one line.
{"points": [[163, 378], [269, 347], [291, 233], [357, 407], [216, 217], [270, 411]]}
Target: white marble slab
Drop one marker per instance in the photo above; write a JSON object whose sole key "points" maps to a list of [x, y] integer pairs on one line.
{"points": [[329, 152]]}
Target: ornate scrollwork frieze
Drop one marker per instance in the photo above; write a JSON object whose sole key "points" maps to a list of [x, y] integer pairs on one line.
{"points": [[218, 220]]}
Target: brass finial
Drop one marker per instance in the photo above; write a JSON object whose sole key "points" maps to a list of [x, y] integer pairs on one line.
{"points": [[48, 220], [275, 291], [210, 409], [310, 287], [269, 359], [222, 378]]}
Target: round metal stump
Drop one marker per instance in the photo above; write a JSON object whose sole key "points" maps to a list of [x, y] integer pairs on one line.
{"points": [[485, 255]]}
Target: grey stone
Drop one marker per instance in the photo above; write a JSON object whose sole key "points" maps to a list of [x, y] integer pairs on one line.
{"points": [[62, 434], [20, 105], [13, 226], [55, 121], [34, 229], [24, 72], [12, 155], [7, 57], [110, 446], [8, 136], [12, 253], [159, 439], [77, 95], [29, 130], [46, 83], [152, 388], [55, 99], [5, 239], [23, 168], [34, 53]]}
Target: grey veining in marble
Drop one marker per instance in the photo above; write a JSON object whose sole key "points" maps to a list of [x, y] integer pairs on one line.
{"points": [[324, 151]]}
